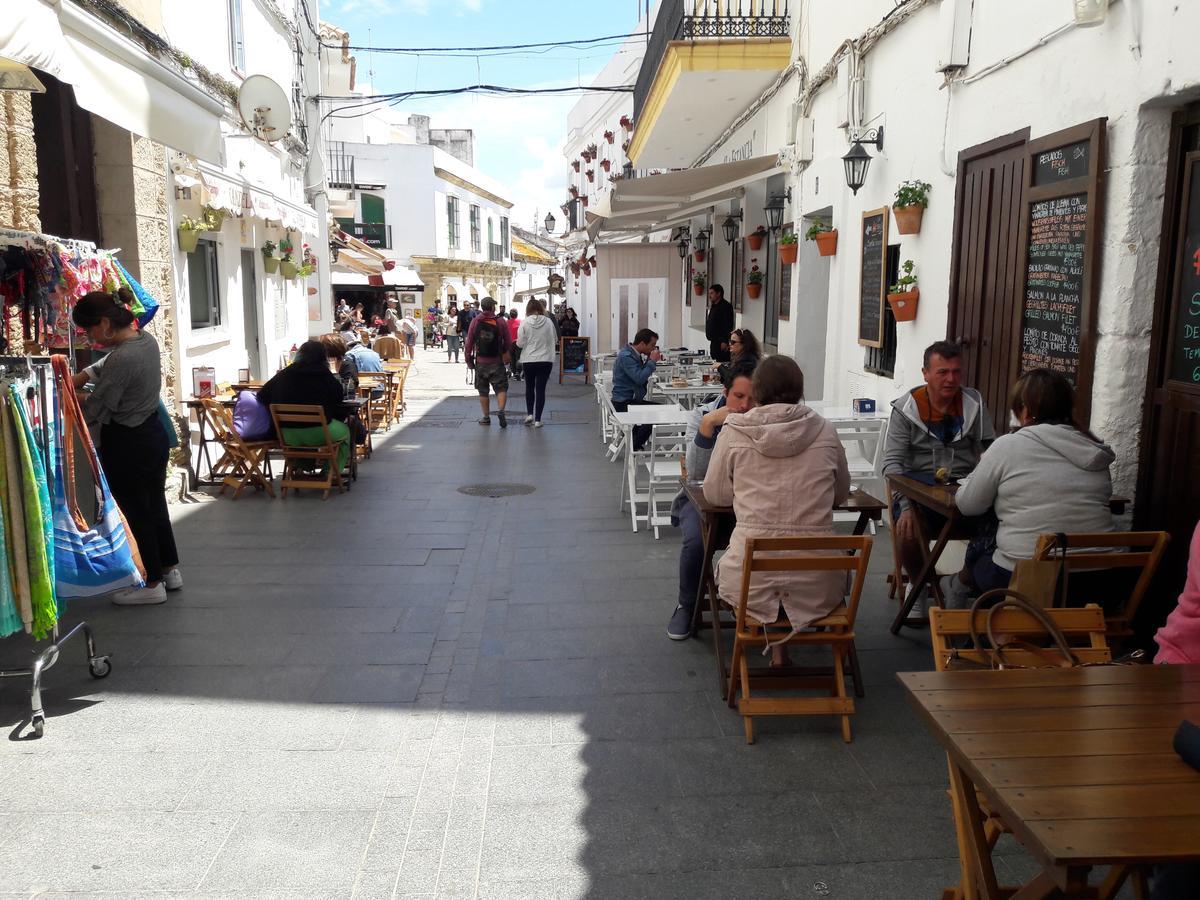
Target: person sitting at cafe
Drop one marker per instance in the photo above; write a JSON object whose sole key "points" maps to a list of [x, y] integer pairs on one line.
{"points": [[939, 413], [631, 375], [347, 331], [782, 468], [340, 362], [309, 381], [1051, 475], [365, 359], [742, 345], [703, 428]]}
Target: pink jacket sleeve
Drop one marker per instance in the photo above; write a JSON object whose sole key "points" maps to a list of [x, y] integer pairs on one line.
{"points": [[1179, 639]]}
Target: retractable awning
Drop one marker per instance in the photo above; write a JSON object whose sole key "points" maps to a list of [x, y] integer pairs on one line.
{"points": [[113, 77], [659, 201]]}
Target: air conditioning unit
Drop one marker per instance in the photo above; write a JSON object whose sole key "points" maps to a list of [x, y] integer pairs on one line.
{"points": [[802, 137], [954, 35]]}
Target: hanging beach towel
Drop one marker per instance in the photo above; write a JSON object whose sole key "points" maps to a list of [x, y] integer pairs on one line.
{"points": [[89, 560], [149, 304], [14, 506], [37, 547], [10, 618]]}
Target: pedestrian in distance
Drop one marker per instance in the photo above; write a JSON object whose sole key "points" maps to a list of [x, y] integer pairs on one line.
{"points": [[536, 339], [514, 327], [453, 337], [487, 357]]}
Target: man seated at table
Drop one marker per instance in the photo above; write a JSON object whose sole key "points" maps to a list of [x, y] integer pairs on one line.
{"points": [[704, 424], [631, 374], [939, 412], [365, 359]]}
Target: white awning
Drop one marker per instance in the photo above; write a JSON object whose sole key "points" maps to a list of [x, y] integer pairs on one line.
{"points": [[399, 278], [531, 292], [474, 287], [224, 191], [658, 201], [113, 77]]}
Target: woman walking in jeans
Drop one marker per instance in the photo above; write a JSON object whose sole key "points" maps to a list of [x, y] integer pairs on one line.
{"points": [[133, 442], [536, 338]]}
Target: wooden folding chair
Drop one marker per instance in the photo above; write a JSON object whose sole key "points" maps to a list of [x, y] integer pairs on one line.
{"points": [[807, 554], [1084, 630], [297, 461], [1107, 551], [373, 388], [244, 459], [398, 369], [388, 347]]}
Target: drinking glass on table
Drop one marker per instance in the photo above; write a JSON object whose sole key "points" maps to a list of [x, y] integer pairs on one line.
{"points": [[943, 463]]}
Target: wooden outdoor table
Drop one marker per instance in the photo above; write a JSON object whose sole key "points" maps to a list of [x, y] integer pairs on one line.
{"points": [[1077, 762], [869, 509]]}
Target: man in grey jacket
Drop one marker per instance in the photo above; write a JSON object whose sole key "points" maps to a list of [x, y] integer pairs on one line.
{"points": [[704, 424], [941, 411]]}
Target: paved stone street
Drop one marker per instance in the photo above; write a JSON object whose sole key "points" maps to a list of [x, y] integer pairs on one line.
{"points": [[408, 691]]}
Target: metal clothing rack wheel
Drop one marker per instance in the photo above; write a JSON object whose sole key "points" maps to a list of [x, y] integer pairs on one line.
{"points": [[100, 665]]}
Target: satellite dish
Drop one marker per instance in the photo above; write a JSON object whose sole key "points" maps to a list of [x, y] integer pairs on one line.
{"points": [[264, 107]]}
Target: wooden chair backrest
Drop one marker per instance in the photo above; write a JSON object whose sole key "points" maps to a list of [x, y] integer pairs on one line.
{"points": [[1083, 628], [837, 553], [387, 347], [1111, 550], [220, 419], [302, 415]]}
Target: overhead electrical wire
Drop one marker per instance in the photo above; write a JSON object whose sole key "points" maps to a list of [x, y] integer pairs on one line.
{"points": [[366, 104]]}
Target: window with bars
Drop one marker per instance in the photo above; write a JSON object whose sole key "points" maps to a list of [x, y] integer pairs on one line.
{"points": [[475, 231], [452, 221], [882, 360], [503, 236]]}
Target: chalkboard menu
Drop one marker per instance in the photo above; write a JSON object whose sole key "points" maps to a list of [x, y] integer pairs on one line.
{"points": [[573, 353], [785, 292], [873, 269], [1062, 163], [1054, 275], [1185, 338]]}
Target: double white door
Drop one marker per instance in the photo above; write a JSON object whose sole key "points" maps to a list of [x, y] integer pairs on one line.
{"points": [[637, 303]]}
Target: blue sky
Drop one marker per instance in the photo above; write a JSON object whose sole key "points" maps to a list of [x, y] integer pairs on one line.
{"points": [[518, 141]]}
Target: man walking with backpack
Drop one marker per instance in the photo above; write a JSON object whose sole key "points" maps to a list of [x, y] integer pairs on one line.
{"points": [[487, 354]]}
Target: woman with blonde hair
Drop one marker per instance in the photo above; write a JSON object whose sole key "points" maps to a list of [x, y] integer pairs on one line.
{"points": [[536, 338]]}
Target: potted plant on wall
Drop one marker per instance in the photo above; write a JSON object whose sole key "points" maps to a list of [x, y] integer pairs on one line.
{"points": [[575, 164], [593, 151], [189, 233], [609, 136], [756, 237], [698, 284], [788, 248], [605, 165], [308, 264], [287, 262], [627, 123], [270, 261], [700, 254], [754, 280], [825, 236], [591, 174], [904, 294], [573, 191], [911, 199]]}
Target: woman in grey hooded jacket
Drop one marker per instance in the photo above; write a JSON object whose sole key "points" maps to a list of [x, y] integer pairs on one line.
{"points": [[1048, 476]]}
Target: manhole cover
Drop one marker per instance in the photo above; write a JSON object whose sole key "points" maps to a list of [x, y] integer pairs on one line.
{"points": [[496, 490]]}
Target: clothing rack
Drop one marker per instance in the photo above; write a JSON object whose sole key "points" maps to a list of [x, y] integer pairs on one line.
{"points": [[99, 665]]}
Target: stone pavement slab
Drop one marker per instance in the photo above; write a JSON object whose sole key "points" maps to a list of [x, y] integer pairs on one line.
{"points": [[408, 691]]}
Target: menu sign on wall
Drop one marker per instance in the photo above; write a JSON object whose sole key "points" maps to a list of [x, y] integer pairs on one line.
{"points": [[1185, 338], [1062, 163], [873, 277], [1050, 327]]}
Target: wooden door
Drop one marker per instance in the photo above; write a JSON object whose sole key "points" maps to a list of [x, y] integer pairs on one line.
{"points": [[1168, 495], [985, 279]]}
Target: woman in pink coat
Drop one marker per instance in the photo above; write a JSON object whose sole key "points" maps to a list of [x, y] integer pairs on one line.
{"points": [[1179, 639], [783, 469]]}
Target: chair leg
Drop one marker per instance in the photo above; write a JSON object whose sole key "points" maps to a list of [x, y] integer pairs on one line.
{"points": [[731, 692], [747, 720], [839, 689]]}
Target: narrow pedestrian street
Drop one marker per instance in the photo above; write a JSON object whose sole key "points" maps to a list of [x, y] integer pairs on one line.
{"points": [[411, 690]]}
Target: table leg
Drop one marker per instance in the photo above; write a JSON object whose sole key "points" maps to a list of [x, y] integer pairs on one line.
{"points": [[928, 573], [968, 819]]}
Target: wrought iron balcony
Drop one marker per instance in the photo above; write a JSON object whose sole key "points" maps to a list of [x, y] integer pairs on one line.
{"points": [[341, 166], [691, 20], [495, 253], [372, 234]]}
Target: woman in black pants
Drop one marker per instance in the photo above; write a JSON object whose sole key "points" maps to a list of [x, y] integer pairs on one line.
{"points": [[536, 338], [133, 442]]}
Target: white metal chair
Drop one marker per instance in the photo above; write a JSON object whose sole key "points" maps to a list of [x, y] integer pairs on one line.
{"points": [[615, 433], [863, 441], [667, 445]]}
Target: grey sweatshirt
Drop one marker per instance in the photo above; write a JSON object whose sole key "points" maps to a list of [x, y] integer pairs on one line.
{"points": [[1041, 479]]}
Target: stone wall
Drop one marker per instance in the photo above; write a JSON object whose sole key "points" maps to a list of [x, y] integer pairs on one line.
{"points": [[18, 163]]}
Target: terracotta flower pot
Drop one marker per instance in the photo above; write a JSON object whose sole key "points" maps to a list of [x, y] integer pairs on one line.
{"points": [[755, 239], [904, 304], [288, 269], [575, 164], [270, 264], [753, 289], [188, 240], [827, 243], [700, 255], [605, 165], [788, 253], [698, 288], [608, 136], [908, 218]]}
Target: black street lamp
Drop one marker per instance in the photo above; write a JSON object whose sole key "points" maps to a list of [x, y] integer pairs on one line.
{"points": [[774, 209], [858, 160], [702, 239], [730, 228], [550, 223], [682, 246]]}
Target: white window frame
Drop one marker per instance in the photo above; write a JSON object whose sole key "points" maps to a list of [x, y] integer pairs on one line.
{"points": [[237, 36], [216, 303]]}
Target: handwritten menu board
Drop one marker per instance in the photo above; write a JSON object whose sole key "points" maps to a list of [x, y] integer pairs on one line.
{"points": [[1185, 338], [873, 277], [1050, 326], [573, 357], [1062, 163], [785, 292]]}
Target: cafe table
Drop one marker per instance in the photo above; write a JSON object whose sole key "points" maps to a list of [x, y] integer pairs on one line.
{"points": [[688, 396], [1077, 763], [712, 517], [204, 437]]}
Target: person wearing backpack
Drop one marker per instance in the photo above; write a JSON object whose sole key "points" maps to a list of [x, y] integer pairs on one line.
{"points": [[487, 355]]}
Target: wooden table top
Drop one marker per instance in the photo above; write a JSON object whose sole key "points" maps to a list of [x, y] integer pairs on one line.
{"points": [[1078, 762], [859, 501], [940, 497]]}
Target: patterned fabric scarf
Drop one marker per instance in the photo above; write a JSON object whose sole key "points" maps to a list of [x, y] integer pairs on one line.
{"points": [[945, 427]]}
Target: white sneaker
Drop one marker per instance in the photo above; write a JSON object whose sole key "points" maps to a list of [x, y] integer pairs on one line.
{"points": [[147, 596], [537, 424], [917, 610], [172, 580], [529, 420], [957, 595]]}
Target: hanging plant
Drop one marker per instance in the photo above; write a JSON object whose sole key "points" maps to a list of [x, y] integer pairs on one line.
{"points": [[575, 269], [825, 235], [584, 200], [270, 261], [609, 136], [904, 294], [605, 165], [593, 151], [625, 147], [754, 280], [585, 156], [592, 260], [627, 123], [911, 199], [700, 254], [698, 284], [575, 164], [573, 191], [591, 174], [287, 262], [566, 210], [756, 237], [788, 248], [189, 233]]}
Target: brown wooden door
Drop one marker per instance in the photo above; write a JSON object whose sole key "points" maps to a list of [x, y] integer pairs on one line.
{"points": [[985, 281], [1168, 496]]}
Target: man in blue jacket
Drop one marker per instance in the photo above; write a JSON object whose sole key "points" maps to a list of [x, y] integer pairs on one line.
{"points": [[631, 372]]}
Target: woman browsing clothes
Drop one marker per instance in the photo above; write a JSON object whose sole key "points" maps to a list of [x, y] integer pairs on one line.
{"points": [[134, 446]]}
